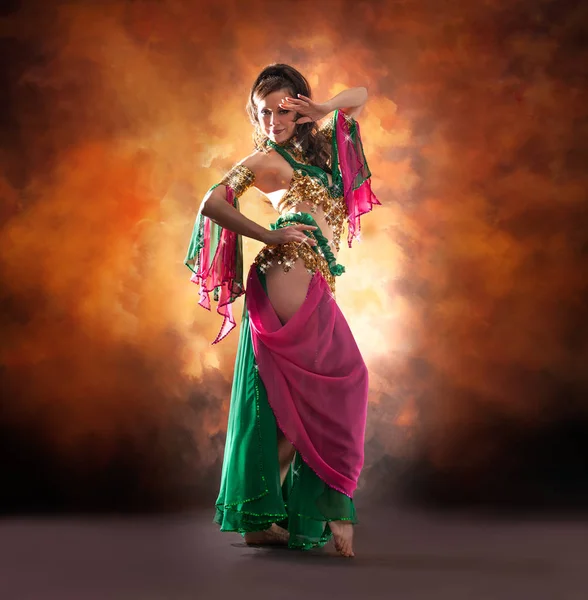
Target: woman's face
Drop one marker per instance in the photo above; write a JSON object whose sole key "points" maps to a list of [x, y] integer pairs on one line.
{"points": [[275, 122]]}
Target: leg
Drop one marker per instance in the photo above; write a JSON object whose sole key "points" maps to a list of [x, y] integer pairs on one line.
{"points": [[286, 454], [343, 535], [275, 535], [287, 292]]}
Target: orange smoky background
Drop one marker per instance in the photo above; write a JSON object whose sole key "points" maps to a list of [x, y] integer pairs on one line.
{"points": [[468, 293]]}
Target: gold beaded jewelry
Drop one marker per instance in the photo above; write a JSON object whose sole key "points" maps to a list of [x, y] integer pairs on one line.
{"points": [[310, 190], [240, 178], [285, 255]]}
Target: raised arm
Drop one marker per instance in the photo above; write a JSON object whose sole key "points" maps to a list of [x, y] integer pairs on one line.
{"points": [[350, 102], [349, 162]]}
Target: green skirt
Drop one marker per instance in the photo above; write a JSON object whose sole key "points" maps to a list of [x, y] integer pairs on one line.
{"points": [[251, 497]]}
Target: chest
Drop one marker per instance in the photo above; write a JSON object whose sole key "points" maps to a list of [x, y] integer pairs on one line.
{"points": [[289, 182]]}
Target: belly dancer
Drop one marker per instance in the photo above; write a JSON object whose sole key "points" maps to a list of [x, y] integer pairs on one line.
{"points": [[295, 435]]}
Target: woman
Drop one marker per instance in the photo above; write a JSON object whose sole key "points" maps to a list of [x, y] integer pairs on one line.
{"points": [[294, 447]]}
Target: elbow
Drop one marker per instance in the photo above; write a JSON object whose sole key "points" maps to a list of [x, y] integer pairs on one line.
{"points": [[209, 205], [205, 207]]}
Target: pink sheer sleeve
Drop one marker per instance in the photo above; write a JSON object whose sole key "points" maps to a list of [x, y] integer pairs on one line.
{"points": [[355, 173], [215, 256]]}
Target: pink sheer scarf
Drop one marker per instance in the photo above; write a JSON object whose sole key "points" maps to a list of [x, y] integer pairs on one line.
{"points": [[357, 189], [316, 380]]}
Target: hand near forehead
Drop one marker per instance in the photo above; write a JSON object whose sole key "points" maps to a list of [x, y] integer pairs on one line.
{"points": [[310, 111]]}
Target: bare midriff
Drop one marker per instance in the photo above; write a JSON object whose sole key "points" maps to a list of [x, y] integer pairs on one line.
{"points": [[307, 194]]}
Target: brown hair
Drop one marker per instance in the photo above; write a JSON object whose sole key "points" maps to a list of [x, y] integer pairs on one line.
{"points": [[277, 76]]}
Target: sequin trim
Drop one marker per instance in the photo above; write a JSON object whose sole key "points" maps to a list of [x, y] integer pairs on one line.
{"points": [[322, 247], [327, 130], [286, 256], [318, 258], [254, 514]]}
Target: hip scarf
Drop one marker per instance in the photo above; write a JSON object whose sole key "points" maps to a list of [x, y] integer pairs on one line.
{"points": [[316, 380]]}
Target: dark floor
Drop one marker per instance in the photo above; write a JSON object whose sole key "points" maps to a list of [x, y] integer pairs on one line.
{"points": [[400, 554]]}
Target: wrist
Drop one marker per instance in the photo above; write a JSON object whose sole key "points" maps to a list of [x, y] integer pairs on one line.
{"points": [[329, 106], [264, 235]]}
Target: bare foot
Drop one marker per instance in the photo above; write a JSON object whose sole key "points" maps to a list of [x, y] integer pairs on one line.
{"points": [[343, 536], [274, 536]]}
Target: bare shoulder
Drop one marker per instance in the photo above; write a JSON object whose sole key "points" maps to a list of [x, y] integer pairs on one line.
{"points": [[266, 167], [256, 162]]}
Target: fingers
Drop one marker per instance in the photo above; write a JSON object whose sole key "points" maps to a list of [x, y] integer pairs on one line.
{"points": [[300, 100], [295, 233], [305, 227], [303, 240], [307, 240], [298, 236], [288, 100], [292, 103], [301, 106], [294, 107]]}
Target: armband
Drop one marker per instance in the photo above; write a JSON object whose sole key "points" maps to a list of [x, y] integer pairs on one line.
{"points": [[240, 178]]}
